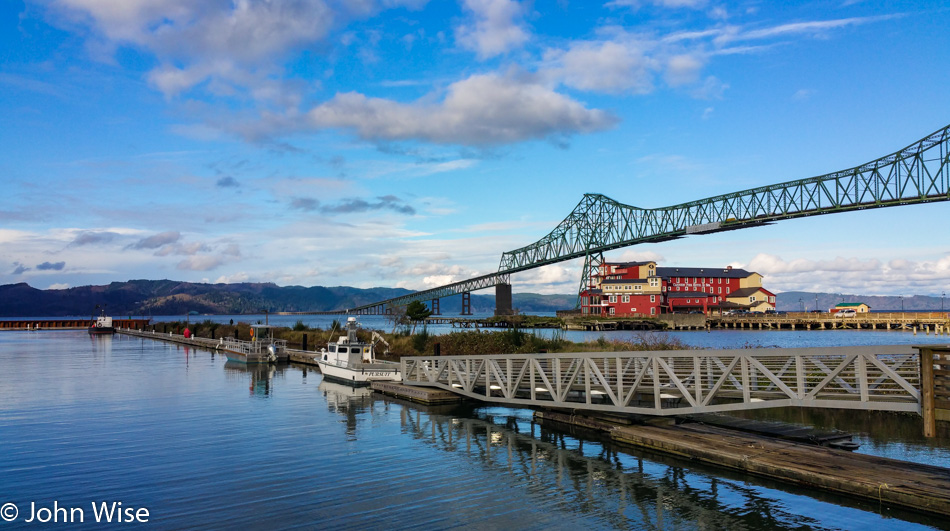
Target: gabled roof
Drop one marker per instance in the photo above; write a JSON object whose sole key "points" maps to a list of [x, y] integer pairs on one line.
{"points": [[850, 304], [745, 292], [714, 272]]}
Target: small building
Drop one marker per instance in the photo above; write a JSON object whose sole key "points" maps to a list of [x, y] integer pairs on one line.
{"points": [[858, 307]]}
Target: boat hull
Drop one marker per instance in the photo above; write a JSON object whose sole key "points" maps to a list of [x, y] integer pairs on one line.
{"points": [[101, 330], [359, 376]]}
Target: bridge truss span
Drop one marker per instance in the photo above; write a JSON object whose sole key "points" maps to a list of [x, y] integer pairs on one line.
{"points": [[664, 383], [919, 173]]}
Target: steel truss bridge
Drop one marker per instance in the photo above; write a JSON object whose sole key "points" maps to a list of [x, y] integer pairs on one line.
{"points": [[919, 173], [664, 383]]}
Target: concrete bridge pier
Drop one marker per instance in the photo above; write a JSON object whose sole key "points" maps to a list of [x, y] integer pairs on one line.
{"points": [[503, 300]]}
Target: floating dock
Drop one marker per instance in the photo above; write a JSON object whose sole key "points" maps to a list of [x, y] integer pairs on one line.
{"points": [[421, 395], [912, 486]]}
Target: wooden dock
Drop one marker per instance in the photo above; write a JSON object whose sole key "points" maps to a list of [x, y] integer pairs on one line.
{"points": [[422, 395], [926, 322], [912, 486]]}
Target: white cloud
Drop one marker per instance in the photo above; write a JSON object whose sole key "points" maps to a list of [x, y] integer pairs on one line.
{"points": [[58, 286], [852, 275], [200, 263], [482, 110], [605, 66], [233, 279], [495, 30], [683, 69]]}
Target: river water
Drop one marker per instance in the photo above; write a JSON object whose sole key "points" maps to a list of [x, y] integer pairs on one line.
{"points": [[203, 444]]}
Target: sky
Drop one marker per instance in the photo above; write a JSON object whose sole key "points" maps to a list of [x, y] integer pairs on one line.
{"points": [[406, 143]]}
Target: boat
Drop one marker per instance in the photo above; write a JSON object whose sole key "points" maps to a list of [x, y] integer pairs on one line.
{"points": [[102, 324], [262, 348], [350, 361]]}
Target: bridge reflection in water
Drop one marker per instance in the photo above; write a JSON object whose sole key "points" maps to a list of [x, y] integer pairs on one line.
{"points": [[883, 378], [628, 489]]}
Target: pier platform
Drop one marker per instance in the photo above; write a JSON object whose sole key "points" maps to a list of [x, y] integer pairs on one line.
{"points": [[912, 486], [422, 395], [67, 323]]}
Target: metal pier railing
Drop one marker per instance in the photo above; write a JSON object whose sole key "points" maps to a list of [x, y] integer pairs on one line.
{"points": [[883, 378]]}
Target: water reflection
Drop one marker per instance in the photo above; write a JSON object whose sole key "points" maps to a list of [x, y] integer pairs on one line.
{"points": [[261, 376], [347, 401], [101, 344], [629, 489]]}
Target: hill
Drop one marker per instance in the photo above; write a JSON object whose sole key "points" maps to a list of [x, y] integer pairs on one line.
{"points": [[170, 297]]}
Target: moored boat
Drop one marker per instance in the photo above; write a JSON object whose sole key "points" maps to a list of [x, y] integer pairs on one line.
{"points": [[350, 361], [102, 325], [262, 348]]}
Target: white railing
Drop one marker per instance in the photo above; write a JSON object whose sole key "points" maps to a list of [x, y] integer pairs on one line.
{"points": [[683, 382]]}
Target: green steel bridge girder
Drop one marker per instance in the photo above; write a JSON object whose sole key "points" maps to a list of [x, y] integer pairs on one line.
{"points": [[919, 173]]}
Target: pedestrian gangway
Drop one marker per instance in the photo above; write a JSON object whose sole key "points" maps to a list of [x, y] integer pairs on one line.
{"points": [[884, 378]]}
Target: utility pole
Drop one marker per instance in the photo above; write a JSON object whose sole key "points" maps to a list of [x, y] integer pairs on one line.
{"points": [[816, 302]]}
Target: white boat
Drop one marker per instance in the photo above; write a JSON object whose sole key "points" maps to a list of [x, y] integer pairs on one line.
{"points": [[262, 348], [102, 325], [352, 362]]}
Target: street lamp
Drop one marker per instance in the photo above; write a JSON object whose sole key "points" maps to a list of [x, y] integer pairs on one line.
{"points": [[942, 296], [902, 303], [816, 302], [802, 302]]}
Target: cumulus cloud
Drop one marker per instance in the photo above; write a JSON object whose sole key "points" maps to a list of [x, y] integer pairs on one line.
{"points": [[92, 238], [683, 69], [227, 42], [157, 240], [869, 276], [189, 249], [200, 263], [496, 28], [51, 266], [232, 279], [482, 110], [606, 66]]}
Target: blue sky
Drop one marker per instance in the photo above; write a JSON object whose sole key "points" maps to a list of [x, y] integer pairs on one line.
{"points": [[411, 143]]}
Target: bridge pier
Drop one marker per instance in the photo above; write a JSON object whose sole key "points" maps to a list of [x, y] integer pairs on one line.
{"points": [[503, 299], [436, 310], [466, 303]]}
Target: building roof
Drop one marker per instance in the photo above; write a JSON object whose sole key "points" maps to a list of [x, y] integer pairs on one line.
{"points": [[687, 294], [628, 264], [715, 272], [850, 304], [745, 292]]}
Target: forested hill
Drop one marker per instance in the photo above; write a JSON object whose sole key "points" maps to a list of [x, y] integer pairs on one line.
{"points": [[170, 297]]}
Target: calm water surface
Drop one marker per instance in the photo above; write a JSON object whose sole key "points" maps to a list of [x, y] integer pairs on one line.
{"points": [[202, 443]]}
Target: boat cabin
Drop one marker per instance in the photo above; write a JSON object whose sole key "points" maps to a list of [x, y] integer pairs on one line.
{"points": [[348, 350]]}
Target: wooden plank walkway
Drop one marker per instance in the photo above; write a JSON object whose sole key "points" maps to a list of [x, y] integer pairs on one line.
{"points": [[422, 395], [778, 430], [912, 486]]}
